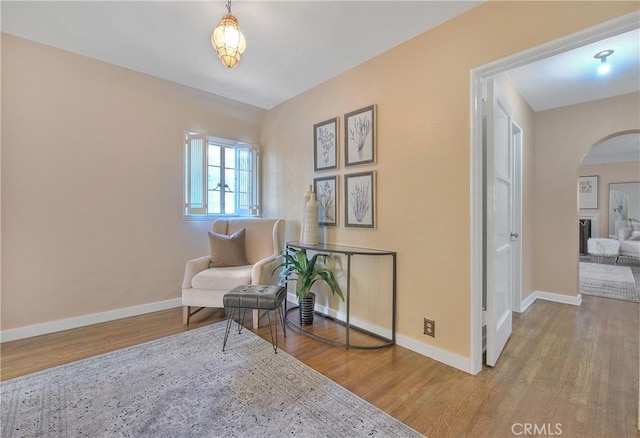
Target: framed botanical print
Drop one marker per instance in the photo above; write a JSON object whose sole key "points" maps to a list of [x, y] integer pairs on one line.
{"points": [[360, 195], [326, 189], [325, 145], [360, 136], [588, 192]]}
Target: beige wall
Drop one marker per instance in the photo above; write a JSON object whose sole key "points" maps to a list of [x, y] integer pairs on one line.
{"points": [[422, 93], [0, 181], [563, 137], [608, 173], [92, 167], [92, 183]]}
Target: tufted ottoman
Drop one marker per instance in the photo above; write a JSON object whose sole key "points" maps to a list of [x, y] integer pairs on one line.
{"points": [[601, 247], [254, 297]]}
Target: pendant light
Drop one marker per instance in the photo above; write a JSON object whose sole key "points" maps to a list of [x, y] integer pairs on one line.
{"points": [[228, 40]]}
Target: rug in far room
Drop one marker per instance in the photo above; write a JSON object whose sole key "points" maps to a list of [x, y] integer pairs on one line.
{"points": [[608, 281]]}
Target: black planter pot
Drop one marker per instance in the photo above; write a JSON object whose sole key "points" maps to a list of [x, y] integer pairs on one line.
{"points": [[307, 305]]}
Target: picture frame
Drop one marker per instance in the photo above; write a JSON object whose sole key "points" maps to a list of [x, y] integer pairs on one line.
{"points": [[359, 199], [325, 145], [588, 192], [360, 136], [326, 189]]}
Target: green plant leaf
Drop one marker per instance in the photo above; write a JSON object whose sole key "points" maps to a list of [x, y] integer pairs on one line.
{"points": [[307, 271]]}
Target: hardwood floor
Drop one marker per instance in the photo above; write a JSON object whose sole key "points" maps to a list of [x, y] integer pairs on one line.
{"points": [[570, 371]]}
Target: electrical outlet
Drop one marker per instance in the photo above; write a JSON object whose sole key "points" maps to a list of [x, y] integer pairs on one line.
{"points": [[429, 328]]}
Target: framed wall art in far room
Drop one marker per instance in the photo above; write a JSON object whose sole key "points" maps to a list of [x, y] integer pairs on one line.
{"points": [[359, 199], [588, 192], [326, 189], [325, 145], [360, 136]]}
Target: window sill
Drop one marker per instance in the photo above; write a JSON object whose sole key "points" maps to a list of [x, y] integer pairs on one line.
{"points": [[212, 217]]}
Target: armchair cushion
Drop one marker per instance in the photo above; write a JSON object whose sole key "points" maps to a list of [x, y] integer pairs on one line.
{"points": [[226, 250], [623, 233], [262, 236], [222, 278], [204, 285]]}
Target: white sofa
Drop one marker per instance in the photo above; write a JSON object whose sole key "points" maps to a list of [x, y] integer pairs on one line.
{"points": [[628, 234], [629, 244], [205, 286]]}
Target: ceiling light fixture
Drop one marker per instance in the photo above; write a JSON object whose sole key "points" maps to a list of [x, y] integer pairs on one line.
{"points": [[228, 40], [603, 68]]}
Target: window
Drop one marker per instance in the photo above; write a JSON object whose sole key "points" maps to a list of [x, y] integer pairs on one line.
{"points": [[221, 177]]}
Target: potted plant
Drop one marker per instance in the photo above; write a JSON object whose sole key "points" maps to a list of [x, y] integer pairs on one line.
{"points": [[307, 271]]}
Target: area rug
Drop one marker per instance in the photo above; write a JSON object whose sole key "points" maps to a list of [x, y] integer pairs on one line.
{"points": [[185, 386], [608, 281]]}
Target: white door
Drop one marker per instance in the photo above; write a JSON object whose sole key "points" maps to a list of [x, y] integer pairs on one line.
{"points": [[499, 219], [516, 245]]}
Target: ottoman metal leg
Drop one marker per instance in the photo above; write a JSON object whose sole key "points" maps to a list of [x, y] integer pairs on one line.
{"points": [[274, 343], [241, 322], [230, 314], [256, 298], [228, 328], [278, 312], [282, 314]]}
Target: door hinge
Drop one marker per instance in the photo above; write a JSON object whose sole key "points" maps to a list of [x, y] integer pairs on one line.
{"points": [[484, 318]]}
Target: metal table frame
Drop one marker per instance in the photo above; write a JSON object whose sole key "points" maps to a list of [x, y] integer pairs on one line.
{"points": [[349, 252]]}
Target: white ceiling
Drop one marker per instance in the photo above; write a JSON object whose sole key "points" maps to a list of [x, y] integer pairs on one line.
{"points": [[294, 45], [291, 45], [572, 77]]}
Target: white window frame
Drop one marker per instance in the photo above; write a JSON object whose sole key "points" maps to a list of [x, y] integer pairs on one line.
{"points": [[196, 162]]}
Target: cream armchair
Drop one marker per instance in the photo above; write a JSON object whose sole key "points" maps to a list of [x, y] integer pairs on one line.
{"points": [[205, 286]]}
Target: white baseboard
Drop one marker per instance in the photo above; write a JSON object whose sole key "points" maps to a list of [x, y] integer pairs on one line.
{"points": [[84, 320], [341, 316], [446, 357], [559, 298], [549, 296], [527, 302], [435, 353], [463, 363], [356, 322]]}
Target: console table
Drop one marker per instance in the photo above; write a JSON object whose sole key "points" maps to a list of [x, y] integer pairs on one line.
{"points": [[349, 252]]}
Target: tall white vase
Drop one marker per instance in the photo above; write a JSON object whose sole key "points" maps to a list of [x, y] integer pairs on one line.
{"points": [[307, 196], [310, 236]]}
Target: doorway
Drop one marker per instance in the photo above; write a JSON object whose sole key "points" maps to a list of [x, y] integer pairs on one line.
{"points": [[478, 217], [613, 165]]}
